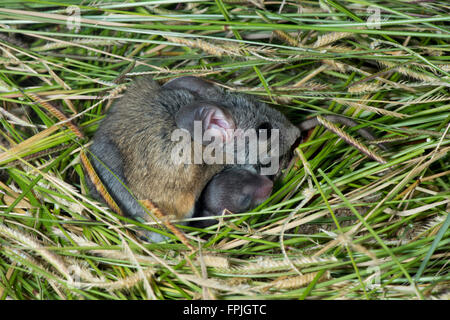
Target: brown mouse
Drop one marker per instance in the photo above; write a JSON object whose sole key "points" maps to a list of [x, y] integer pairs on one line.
{"points": [[132, 148]]}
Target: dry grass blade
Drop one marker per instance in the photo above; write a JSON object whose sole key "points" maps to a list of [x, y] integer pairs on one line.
{"points": [[210, 48], [329, 38], [25, 146], [360, 106], [58, 114], [295, 282], [35, 245], [265, 265], [164, 219], [350, 140], [98, 183]]}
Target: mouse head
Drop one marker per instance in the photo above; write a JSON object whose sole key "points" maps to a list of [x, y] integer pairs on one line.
{"points": [[228, 115], [236, 189]]}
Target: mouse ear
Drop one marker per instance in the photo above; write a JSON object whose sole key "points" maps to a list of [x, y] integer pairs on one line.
{"points": [[195, 85], [212, 118]]}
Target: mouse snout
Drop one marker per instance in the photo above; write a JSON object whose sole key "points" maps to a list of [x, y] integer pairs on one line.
{"points": [[264, 190]]}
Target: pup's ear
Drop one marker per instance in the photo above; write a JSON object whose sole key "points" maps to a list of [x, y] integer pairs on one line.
{"points": [[215, 120], [198, 86]]}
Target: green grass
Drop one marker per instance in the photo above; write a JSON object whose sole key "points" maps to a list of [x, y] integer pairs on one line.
{"points": [[346, 228]]}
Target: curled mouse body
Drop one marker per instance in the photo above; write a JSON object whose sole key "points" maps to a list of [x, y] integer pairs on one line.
{"points": [[132, 150]]}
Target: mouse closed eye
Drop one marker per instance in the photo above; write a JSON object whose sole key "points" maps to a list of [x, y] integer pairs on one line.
{"points": [[235, 189]]}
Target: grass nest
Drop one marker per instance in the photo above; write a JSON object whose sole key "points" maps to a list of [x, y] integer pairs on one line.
{"points": [[338, 224]]}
